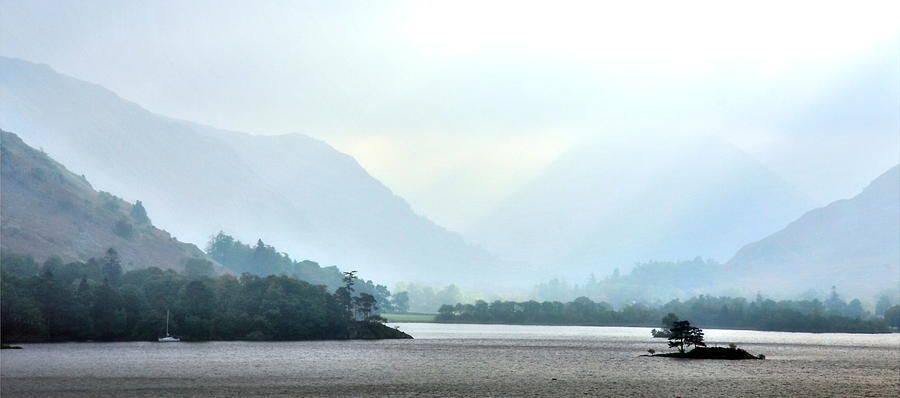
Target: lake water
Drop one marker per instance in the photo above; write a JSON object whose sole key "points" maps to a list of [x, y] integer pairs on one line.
{"points": [[461, 360]]}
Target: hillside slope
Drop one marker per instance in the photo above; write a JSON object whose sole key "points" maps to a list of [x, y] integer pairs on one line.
{"points": [[294, 192], [852, 243], [47, 210]]}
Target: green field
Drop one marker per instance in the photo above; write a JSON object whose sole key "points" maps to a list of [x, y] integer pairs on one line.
{"points": [[409, 317]]}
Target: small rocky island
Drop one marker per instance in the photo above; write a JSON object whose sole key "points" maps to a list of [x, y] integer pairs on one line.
{"points": [[681, 334], [732, 353]]}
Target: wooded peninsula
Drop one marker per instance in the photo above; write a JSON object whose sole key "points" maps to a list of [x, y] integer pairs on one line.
{"points": [[96, 300]]}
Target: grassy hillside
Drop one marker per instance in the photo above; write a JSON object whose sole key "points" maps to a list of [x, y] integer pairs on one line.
{"points": [[47, 210]]}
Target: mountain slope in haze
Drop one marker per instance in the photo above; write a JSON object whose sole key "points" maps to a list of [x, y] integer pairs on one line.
{"points": [[852, 243], [625, 200], [294, 192], [48, 211]]}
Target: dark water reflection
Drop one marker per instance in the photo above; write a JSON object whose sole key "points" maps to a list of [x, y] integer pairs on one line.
{"points": [[462, 360]]}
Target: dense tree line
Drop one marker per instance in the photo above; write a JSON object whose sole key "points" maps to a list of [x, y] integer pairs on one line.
{"points": [[706, 311], [661, 281], [264, 260], [96, 300], [892, 316], [427, 298], [646, 282], [424, 298]]}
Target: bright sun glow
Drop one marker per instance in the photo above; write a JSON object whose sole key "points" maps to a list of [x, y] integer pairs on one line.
{"points": [[769, 35], [479, 171]]}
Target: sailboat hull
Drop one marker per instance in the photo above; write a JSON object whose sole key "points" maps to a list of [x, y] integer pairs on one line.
{"points": [[168, 338]]}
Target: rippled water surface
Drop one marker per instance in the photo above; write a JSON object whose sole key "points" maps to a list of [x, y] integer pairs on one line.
{"points": [[461, 360]]}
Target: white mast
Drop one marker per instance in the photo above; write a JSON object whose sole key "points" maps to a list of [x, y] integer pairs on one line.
{"points": [[168, 337]]}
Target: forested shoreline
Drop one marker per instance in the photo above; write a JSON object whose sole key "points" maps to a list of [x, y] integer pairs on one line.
{"points": [[262, 259], [97, 301], [705, 311]]}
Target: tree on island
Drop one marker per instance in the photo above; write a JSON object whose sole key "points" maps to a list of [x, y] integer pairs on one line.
{"points": [[683, 334], [667, 322], [344, 294], [358, 307]]}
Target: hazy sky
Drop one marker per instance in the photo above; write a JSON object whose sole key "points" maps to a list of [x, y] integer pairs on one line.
{"points": [[455, 104]]}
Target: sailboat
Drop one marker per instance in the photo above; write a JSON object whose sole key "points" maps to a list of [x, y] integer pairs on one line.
{"points": [[168, 338]]}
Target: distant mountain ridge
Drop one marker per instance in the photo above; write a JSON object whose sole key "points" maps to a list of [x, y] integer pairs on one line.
{"points": [[852, 243], [48, 211], [294, 192], [610, 204]]}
